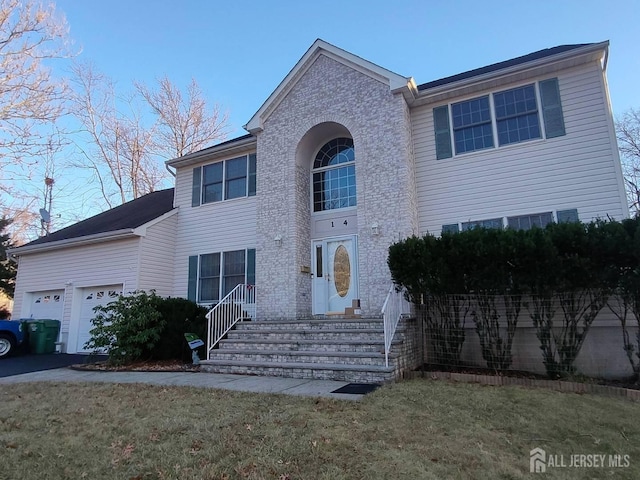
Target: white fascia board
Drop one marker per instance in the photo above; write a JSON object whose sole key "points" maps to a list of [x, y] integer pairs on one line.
{"points": [[586, 52], [73, 242], [210, 153], [395, 82]]}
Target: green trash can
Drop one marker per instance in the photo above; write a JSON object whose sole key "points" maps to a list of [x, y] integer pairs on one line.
{"points": [[43, 335]]}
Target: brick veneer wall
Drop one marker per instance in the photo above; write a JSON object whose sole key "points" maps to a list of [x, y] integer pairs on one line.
{"points": [[379, 123]]}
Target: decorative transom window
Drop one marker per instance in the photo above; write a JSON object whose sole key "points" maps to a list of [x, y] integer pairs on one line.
{"points": [[334, 176], [502, 118]]}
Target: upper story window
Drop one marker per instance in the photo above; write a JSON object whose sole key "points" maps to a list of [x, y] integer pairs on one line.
{"points": [[517, 115], [334, 176], [233, 178], [472, 125], [502, 118]]}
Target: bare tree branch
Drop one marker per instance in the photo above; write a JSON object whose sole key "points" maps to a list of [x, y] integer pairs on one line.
{"points": [[121, 159], [628, 134], [30, 97], [129, 149], [185, 124]]}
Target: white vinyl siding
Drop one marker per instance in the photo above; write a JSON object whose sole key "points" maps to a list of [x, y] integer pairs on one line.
{"points": [[212, 227], [74, 268], [573, 171], [157, 249]]}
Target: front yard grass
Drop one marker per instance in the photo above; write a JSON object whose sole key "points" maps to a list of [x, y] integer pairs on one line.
{"points": [[418, 429]]}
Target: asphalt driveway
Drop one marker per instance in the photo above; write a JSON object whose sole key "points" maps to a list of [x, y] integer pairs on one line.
{"points": [[19, 364]]}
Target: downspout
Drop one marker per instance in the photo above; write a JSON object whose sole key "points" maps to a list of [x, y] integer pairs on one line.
{"points": [[169, 170]]}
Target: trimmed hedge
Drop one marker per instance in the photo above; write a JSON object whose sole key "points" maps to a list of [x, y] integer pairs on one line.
{"points": [[574, 265]]}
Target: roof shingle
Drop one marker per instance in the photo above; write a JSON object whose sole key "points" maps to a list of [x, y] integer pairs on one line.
{"points": [[129, 215], [547, 52]]}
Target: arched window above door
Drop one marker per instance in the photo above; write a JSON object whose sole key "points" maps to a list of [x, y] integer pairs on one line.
{"points": [[334, 176]]}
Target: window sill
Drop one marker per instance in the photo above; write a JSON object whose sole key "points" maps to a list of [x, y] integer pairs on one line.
{"points": [[226, 202]]}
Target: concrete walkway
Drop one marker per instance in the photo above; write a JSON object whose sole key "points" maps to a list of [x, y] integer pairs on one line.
{"points": [[243, 383]]}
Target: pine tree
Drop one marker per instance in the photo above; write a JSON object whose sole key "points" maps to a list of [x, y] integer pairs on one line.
{"points": [[7, 267]]}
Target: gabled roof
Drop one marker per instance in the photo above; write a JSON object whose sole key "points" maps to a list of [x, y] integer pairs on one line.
{"points": [[547, 52], [320, 47], [125, 217], [397, 83]]}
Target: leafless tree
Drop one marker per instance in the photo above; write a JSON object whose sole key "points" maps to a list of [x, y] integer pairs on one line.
{"points": [[121, 144], [185, 124], [628, 133], [127, 149], [30, 96]]}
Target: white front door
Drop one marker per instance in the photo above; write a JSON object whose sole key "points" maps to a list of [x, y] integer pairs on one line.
{"points": [[335, 275]]}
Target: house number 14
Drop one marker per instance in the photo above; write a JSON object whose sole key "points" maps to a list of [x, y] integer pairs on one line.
{"points": [[344, 223]]}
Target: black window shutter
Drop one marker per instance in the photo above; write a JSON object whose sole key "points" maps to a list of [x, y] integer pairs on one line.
{"points": [[197, 182], [193, 278], [251, 266], [568, 215], [443, 135], [552, 108], [252, 174]]}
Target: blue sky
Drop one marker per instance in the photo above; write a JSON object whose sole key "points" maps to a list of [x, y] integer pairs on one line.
{"points": [[239, 51]]}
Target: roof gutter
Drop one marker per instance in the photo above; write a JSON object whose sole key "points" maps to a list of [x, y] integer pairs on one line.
{"points": [[76, 242], [214, 151]]}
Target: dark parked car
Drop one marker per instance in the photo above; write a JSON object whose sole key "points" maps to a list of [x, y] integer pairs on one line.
{"points": [[13, 333]]}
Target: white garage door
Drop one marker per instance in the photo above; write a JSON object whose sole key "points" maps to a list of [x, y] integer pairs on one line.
{"points": [[92, 297], [47, 305]]}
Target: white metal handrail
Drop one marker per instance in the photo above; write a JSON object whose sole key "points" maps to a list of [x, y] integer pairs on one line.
{"points": [[239, 304], [395, 307]]}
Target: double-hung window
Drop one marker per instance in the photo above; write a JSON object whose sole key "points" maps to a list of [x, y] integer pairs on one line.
{"points": [[209, 278], [213, 275], [488, 223], [233, 178], [517, 117], [500, 118], [527, 222], [472, 125], [519, 222]]}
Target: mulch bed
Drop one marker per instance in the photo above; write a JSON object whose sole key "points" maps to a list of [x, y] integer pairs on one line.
{"points": [[141, 366]]}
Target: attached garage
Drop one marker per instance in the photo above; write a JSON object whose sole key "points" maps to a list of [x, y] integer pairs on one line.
{"points": [[93, 297], [66, 274]]}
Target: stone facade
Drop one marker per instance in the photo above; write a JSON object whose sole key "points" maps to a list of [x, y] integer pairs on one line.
{"points": [[331, 99]]}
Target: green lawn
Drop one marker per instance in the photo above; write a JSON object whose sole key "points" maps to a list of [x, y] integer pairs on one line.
{"points": [[418, 429]]}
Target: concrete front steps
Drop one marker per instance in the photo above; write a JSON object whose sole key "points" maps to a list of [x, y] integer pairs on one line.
{"points": [[343, 349]]}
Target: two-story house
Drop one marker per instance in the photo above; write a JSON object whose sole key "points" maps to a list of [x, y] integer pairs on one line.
{"points": [[343, 159]]}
